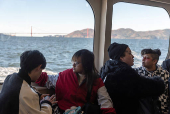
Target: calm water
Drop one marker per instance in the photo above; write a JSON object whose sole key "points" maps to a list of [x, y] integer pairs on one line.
{"points": [[59, 51]]}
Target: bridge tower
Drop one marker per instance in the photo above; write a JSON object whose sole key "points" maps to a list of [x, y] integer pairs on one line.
{"points": [[31, 31], [87, 33]]}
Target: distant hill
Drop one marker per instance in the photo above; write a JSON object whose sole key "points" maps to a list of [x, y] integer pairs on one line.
{"points": [[124, 34], [81, 33], [4, 36]]}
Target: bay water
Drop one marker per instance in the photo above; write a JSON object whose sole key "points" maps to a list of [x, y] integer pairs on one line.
{"points": [[59, 51]]}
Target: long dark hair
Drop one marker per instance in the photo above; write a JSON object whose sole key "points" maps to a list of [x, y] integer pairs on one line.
{"points": [[87, 60]]}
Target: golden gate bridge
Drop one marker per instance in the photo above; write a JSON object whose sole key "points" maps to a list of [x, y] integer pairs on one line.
{"points": [[31, 33]]}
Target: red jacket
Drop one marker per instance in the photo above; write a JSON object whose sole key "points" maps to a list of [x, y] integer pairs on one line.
{"points": [[69, 93]]}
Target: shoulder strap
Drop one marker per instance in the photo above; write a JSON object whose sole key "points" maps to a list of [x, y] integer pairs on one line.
{"points": [[89, 93], [87, 97]]}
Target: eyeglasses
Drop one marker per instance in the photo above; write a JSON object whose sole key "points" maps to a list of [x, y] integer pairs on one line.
{"points": [[75, 63]]}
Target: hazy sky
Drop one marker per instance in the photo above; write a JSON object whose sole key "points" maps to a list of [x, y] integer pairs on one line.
{"points": [[139, 17], [65, 16]]}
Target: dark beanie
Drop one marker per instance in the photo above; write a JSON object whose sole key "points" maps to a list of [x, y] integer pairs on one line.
{"points": [[116, 50]]}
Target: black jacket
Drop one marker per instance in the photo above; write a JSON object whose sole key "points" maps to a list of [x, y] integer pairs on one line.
{"points": [[126, 87]]}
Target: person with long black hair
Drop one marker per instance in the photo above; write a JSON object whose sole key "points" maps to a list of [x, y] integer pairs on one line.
{"points": [[71, 86]]}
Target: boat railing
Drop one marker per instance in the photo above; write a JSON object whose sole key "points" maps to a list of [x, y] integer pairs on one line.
{"points": [[42, 90], [1, 83]]}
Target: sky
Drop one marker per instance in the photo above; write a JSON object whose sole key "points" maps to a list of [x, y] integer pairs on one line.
{"points": [[139, 17], [66, 16]]}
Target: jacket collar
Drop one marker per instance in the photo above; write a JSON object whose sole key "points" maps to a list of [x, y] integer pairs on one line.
{"points": [[158, 67], [112, 66]]}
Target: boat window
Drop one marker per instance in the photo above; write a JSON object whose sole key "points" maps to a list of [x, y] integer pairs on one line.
{"points": [[141, 27], [56, 28]]}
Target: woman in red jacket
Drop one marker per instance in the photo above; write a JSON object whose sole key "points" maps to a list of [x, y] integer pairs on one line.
{"points": [[72, 84]]}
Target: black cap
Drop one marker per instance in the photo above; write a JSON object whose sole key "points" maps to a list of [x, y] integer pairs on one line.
{"points": [[116, 50]]}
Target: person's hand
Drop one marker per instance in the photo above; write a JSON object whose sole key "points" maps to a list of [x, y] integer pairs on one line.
{"points": [[50, 99], [43, 95]]}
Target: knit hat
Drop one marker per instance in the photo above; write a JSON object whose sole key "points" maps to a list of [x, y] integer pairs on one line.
{"points": [[116, 50]]}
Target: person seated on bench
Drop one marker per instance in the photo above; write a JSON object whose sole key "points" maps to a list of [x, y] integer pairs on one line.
{"points": [[71, 85], [18, 96]]}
